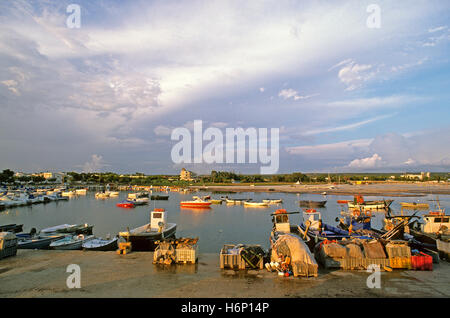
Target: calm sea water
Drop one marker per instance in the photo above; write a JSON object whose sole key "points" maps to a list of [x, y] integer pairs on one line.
{"points": [[219, 225]]}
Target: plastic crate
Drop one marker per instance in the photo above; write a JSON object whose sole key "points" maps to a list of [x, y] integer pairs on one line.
{"points": [[187, 255], [397, 249], [400, 262], [422, 262]]}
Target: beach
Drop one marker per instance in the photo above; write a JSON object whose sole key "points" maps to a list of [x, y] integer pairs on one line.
{"points": [[42, 273], [377, 189]]}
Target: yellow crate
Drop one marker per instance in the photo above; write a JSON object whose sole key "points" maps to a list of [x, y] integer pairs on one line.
{"points": [[400, 262]]}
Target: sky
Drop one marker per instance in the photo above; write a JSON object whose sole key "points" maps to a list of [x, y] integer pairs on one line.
{"points": [[346, 96]]}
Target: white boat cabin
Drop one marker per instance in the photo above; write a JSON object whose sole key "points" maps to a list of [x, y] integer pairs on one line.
{"points": [[313, 217], [281, 221], [435, 222], [158, 219]]}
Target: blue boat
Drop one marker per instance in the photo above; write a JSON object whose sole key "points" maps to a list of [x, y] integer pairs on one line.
{"points": [[30, 241], [316, 229]]}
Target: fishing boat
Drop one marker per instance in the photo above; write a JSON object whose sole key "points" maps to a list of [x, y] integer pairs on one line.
{"points": [[102, 195], [159, 197], [255, 204], [436, 224], [125, 204], [68, 193], [138, 201], [195, 204], [214, 201], [113, 193], [138, 195], [143, 238], [312, 204], [74, 242], [69, 228], [15, 228], [415, 205], [29, 241], [313, 225], [81, 191], [360, 203], [99, 244], [236, 201], [272, 201]]}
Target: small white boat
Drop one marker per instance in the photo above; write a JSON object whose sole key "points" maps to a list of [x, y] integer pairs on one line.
{"points": [[270, 201], [68, 193], [81, 191], [255, 204], [102, 195], [139, 201], [113, 193], [71, 242]]}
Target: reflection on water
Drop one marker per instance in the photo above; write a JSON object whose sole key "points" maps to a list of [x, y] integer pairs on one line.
{"points": [[218, 225]]}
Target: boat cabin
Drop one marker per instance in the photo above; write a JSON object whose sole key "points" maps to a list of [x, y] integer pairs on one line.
{"points": [[313, 217], [281, 221], [435, 222], [158, 218]]}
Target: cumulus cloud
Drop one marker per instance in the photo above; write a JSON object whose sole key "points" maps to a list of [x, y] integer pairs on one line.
{"points": [[354, 75], [94, 165], [162, 130], [366, 163]]}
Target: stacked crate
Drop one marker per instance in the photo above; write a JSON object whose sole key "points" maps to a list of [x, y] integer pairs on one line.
{"points": [[8, 244], [399, 254], [231, 257]]}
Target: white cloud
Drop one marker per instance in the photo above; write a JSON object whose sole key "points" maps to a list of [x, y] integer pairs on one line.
{"points": [[95, 165], [291, 93], [345, 127], [161, 130], [353, 75], [366, 163], [376, 102], [261, 89], [436, 29]]}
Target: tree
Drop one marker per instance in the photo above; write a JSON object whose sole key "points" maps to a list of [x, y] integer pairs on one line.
{"points": [[7, 176]]}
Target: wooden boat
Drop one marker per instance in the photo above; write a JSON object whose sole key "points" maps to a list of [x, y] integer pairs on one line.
{"points": [[236, 201], [443, 247], [143, 238], [159, 197], [273, 201], [15, 228], [255, 204], [360, 203], [436, 224], [125, 204], [139, 201], [71, 242], [99, 244], [312, 204], [195, 204], [27, 241], [414, 205], [69, 228]]}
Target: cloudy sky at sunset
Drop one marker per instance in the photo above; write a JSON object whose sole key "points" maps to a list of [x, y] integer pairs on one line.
{"points": [[106, 96]]}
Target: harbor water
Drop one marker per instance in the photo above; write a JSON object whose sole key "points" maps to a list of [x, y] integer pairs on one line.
{"points": [[221, 224]]}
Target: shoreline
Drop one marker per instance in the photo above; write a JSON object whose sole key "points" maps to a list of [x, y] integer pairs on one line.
{"points": [[42, 273], [394, 190]]}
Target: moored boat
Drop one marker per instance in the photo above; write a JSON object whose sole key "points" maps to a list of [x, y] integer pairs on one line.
{"points": [[125, 204], [195, 204], [69, 228], [312, 204], [414, 205], [29, 241], [255, 204], [272, 201], [159, 197], [74, 242], [143, 238], [99, 244], [15, 228]]}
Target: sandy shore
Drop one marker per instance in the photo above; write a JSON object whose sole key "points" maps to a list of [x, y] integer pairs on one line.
{"points": [[390, 189], [105, 274]]}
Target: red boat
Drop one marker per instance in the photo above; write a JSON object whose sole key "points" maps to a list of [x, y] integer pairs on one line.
{"points": [[195, 204], [125, 204], [343, 201]]}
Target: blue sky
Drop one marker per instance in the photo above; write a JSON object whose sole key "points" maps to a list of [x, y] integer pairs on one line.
{"points": [[106, 96]]}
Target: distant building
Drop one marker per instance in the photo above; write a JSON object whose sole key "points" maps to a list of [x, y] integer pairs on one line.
{"points": [[420, 176], [186, 175]]}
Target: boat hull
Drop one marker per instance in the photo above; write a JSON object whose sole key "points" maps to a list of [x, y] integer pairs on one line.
{"points": [[313, 204], [195, 204], [40, 243], [146, 241], [104, 245]]}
